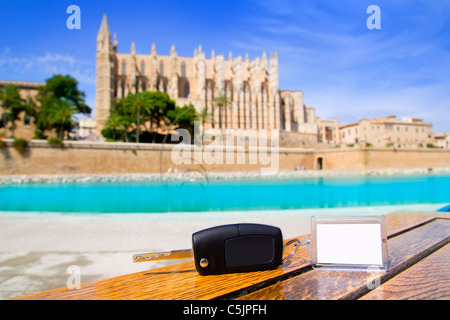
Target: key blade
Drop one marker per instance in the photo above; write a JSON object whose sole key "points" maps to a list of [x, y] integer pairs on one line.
{"points": [[163, 255]]}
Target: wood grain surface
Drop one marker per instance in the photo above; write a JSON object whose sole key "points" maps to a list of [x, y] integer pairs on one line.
{"points": [[404, 250], [409, 232], [429, 279]]}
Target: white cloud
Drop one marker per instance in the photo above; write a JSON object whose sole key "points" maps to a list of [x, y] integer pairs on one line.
{"points": [[429, 103], [41, 67], [55, 59], [350, 72], [44, 66]]}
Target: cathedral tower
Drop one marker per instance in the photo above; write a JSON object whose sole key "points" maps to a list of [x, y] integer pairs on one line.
{"points": [[104, 76]]}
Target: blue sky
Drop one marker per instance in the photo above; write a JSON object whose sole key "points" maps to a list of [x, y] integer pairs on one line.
{"points": [[324, 47]]}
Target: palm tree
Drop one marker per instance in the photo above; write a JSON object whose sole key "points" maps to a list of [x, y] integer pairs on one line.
{"points": [[147, 109], [115, 123], [61, 116], [205, 116], [59, 97], [12, 104], [221, 102], [183, 117], [141, 103]]}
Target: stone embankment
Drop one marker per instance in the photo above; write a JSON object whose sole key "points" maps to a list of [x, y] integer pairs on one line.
{"points": [[198, 175]]}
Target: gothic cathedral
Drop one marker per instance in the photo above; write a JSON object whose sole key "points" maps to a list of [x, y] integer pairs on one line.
{"points": [[250, 86]]}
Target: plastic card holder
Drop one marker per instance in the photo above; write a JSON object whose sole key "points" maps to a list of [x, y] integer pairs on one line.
{"points": [[356, 243]]}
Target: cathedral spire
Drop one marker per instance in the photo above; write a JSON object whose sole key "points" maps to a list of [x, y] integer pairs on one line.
{"points": [[153, 51], [133, 48], [104, 28], [173, 51], [264, 62], [104, 36], [115, 41]]}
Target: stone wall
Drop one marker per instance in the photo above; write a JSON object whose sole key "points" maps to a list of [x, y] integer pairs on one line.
{"points": [[105, 158], [382, 158]]}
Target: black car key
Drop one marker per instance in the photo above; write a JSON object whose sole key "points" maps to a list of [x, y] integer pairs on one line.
{"points": [[228, 249], [237, 248]]}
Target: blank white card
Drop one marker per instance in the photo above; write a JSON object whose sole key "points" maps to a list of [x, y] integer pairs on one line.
{"points": [[353, 244]]}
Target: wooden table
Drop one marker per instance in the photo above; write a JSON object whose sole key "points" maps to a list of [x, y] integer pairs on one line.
{"points": [[419, 268]]}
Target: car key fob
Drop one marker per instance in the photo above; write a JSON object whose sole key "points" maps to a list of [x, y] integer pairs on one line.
{"points": [[237, 248]]}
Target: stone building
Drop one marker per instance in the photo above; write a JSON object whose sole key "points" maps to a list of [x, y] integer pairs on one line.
{"points": [[388, 131], [442, 140], [25, 126], [250, 86], [328, 130], [86, 129]]}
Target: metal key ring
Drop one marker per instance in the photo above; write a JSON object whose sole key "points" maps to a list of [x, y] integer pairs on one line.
{"points": [[289, 256]]}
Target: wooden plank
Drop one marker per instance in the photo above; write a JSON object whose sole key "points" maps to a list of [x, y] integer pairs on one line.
{"points": [[182, 281], [402, 221], [174, 282], [429, 279], [404, 250]]}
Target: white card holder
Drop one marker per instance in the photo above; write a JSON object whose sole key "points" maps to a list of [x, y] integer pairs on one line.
{"points": [[355, 243]]}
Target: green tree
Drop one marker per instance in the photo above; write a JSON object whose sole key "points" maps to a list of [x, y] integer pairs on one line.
{"points": [[140, 104], [221, 102], [13, 105], [66, 87], [205, 116], [161, 106], [184, 117], [42, 117], [59, 100], [143, 109], [120, 120], [61, 114]]}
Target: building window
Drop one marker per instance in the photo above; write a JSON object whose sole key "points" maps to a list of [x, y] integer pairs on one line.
{"points": [[26, 120], [124, 68], [328, 133], [183, 70], [142, 68], [123, 89], [186, 90], [144, 85], [161, 69]]}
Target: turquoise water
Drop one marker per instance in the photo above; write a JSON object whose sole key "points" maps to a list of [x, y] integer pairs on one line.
{"points": [[223, 195]]}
